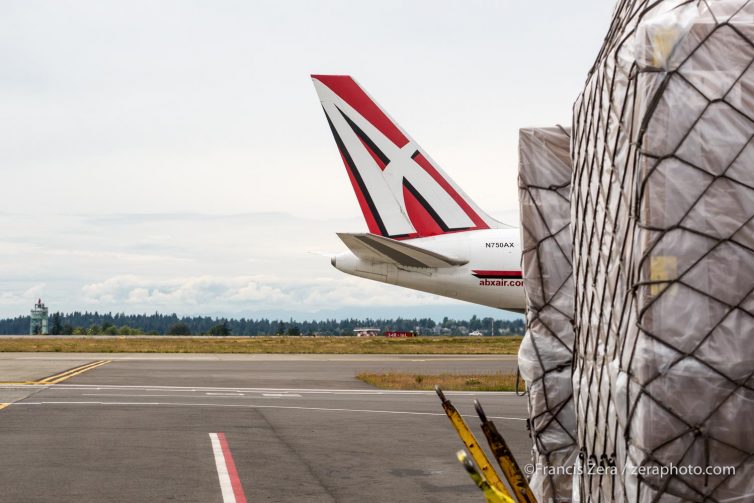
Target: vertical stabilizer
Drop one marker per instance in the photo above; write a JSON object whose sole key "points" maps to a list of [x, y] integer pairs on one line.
{"points": [[401, 190]]}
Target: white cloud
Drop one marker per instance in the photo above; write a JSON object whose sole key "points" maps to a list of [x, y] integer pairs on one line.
{"points": [[254, 293], [26, 297], [233, 265]]}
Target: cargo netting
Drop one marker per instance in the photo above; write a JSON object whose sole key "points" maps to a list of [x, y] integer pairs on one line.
{"points": [[663, 259], [546, 355]]}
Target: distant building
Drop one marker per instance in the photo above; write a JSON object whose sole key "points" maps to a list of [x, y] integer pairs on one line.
{"points": [[38, 319], [366, 332], [399, 333]]}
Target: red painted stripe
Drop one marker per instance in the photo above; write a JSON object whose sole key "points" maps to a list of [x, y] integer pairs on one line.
{"points": [[427, 166], [365, 209], [422, 221], [376, 158], [498, 273], [235, 482], [348, 90]]}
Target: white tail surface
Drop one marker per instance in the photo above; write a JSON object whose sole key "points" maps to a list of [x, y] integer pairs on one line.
{"points": [[402, 192]]}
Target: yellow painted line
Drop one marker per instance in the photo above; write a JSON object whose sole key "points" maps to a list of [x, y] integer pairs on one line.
{"points": [[63, 374], [81, 371], [57, 378], [69, 372], [73, 372]]}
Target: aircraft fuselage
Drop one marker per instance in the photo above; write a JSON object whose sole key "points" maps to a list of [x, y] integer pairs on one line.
{"points": [[492, 276]]}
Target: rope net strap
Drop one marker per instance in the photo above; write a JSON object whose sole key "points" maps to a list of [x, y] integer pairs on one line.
{"points": [[663, 254], [546, 354]]}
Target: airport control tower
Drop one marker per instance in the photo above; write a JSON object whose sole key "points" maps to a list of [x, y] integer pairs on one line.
{"points": [[38, 319]]}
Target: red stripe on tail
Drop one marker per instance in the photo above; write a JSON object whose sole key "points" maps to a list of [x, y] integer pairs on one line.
{"points": [[422, 221], [350, 92], [374, 228], [427, 166], [374, 155]]}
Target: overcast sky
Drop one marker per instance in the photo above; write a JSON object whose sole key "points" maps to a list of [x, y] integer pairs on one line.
{"points": [[172, 156]]}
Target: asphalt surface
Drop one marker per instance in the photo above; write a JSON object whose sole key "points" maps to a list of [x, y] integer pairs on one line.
{"points": [[298, 427], [19, 368]]}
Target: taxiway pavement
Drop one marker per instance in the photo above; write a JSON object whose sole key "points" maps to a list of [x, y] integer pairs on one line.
{"points": [[296, 427]]}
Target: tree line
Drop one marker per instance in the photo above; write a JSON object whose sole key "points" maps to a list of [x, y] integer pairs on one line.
{"points": [[86, 323]]}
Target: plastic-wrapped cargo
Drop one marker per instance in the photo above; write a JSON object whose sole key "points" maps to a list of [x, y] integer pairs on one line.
{"points": [[546, 354], [663, 229]]}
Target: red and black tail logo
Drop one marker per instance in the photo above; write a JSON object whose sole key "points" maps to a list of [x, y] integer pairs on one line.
{"points": [[401, 192]]}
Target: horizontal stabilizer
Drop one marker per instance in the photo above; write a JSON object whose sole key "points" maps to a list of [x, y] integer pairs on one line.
{"points": [[381, 249]]}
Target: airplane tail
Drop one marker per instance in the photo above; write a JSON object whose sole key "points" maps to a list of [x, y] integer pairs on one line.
{"points": [[401, 190]]}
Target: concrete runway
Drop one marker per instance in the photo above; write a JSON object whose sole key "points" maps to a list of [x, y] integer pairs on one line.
{"points": [[296, 427]]}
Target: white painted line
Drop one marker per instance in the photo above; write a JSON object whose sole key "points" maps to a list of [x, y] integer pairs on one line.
{"points": [[359, 393], [270, 390], [208, 395], [222, 470], [160, 395], [218, 395], [188, 390], [271, 357], [292, 407]]}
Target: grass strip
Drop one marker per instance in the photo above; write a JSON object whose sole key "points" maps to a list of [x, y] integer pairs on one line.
{"points": [[448, 382], [266, 344]]}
